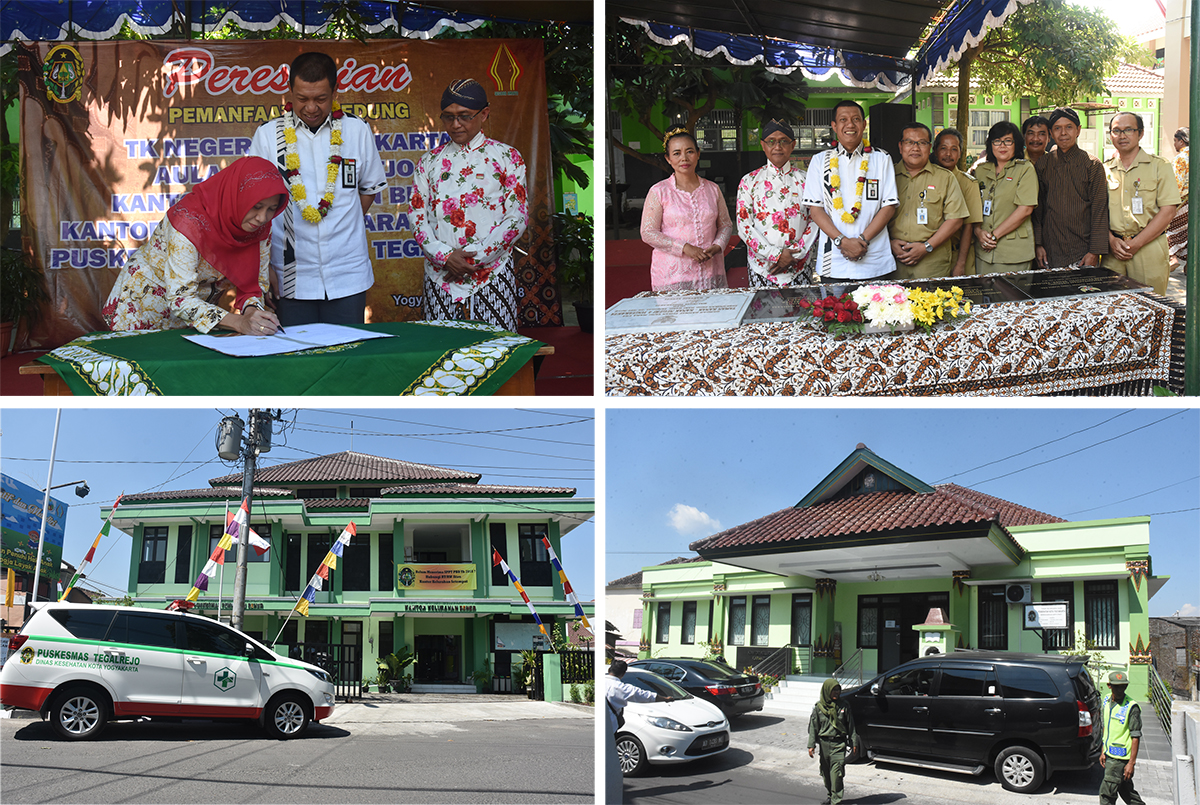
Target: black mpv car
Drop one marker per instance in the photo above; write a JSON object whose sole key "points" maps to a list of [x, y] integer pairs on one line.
{"points": [[1025, 715], [732, 691]]}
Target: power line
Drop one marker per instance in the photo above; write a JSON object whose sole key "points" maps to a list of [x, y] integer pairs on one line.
{"points": [[1135, 497], [1082, 449], [504, 432], [1035, 447]]}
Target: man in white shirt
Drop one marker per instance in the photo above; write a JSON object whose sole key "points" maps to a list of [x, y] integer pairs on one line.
{"points": [[617, 693], [851, 195], [320, 264], [469, 207]]}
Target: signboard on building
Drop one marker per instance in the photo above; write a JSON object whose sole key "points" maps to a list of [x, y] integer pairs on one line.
{"points": [[436, 577], [1051, 615], [519, 637], [22, 512]]}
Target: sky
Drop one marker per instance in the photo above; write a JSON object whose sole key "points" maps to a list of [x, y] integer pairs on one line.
{"points": [[675, 476], [139, 450], [1131, 16]]}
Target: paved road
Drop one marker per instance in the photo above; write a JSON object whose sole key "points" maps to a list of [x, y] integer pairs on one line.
{"points": [[512, 751], [768, 763]]}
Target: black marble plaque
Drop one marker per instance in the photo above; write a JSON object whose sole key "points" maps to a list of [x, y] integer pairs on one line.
{"points": [[782, 304], [979, 290], [1082, 281]]}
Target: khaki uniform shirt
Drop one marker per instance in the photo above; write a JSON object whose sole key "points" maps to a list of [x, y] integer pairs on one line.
{"points": [[935, 189], [1016, 187], [970, 192], [1152, 179]]}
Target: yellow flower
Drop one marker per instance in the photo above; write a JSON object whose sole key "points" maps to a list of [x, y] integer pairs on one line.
{"points": [[293, 162], [847, 217], [837, 203], [331, 173], [835, 181], [311, 215], [289, 134], [335, 138], [298, 192]]}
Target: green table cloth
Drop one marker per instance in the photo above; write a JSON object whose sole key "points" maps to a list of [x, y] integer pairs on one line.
{"points": [[423, 358]]}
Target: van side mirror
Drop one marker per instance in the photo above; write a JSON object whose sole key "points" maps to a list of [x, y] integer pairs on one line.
{"points": [[875, 689], [249, 650]]}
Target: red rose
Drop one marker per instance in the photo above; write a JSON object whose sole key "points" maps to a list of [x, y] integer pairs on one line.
{"points": [[336, 160], [829, 315], [457, 217], [804, 303], [843, 316]]}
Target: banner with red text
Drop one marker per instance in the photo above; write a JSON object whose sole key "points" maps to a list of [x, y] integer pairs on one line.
{"points": [[113, 133]]}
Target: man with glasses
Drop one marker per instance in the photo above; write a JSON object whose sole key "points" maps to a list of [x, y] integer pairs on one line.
{"points": [[320, 263], [1070, 223], [470, 208], [850, 192], [931, 209], [947, 152], [1142, 198], [771, 216]]}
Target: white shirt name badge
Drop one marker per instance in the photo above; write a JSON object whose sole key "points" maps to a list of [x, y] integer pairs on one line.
{"points": [[872, 190], [349, 173]]}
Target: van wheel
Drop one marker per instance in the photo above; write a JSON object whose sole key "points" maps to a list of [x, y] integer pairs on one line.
{"points": [[285, 717], [630, 755], [1020, 769], [78, 713]]}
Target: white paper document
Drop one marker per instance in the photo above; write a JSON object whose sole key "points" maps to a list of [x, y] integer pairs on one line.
{"points": [[296, 338], [684, 312]]}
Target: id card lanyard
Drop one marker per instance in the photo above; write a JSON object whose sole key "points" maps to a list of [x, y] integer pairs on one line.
{"points": [[923, 211], [1137, 207]]}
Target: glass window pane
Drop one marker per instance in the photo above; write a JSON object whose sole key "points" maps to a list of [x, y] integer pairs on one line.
{"points": [[802, 619], [663, 624], [761, 620], [737, 621], [962, 681], [689, 622]]}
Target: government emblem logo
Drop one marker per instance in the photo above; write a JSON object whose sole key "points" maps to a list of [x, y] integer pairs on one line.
{"points": [[407, 576], [63, 72]]}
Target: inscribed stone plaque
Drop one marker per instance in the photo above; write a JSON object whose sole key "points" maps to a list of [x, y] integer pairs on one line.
{"points": [[1083, 281], [781, 304], [671, 312]]}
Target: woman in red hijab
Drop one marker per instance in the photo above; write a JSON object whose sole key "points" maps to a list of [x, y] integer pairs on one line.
{"points": [[216, 237]]}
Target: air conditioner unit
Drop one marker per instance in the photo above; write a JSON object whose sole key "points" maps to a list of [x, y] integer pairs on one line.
{"points": [[1018, 593]]}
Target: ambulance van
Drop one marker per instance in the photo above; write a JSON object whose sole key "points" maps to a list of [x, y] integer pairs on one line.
{"points": [[83, 665]]}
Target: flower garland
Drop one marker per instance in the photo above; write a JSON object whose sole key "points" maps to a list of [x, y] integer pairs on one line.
{"points": [[314, 215], [835, 182]]}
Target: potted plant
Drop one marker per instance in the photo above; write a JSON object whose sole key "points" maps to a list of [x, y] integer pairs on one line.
{"points": [[391, 669], [22, 294], [528, 669], [573, 242], [483, 677]]}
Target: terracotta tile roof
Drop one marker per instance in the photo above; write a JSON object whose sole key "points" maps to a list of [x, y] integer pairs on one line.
{"points": [[337, 503], [1133, 80], [476, 489], [635, 579], [877, 512], [349, 466], [208, 493]]}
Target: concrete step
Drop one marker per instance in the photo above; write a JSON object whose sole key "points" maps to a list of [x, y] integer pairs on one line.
{"points": [[431, 688]]}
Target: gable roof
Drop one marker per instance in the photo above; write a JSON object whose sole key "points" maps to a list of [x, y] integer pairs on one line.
{"points": [[491, 490], [218, 492], [349, 466]]}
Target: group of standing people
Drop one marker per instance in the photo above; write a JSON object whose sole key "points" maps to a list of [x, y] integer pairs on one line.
{"points": [[854, 216], [284, 226]]}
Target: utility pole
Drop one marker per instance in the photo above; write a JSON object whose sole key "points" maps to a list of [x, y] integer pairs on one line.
{"points": [[258, 440]]}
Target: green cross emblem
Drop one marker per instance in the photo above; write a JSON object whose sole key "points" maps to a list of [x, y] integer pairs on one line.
{"points": [[225, 679]]}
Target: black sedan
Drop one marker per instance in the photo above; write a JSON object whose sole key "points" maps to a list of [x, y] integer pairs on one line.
{"points": [[732, 691]]}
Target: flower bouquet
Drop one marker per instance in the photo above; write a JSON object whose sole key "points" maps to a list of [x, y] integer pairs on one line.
{"points": [[886, 308], [840, 315], [930, 307]]}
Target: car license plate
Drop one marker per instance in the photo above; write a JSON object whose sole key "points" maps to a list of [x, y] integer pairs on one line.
{"points": [[746, 689], [713, 742]]}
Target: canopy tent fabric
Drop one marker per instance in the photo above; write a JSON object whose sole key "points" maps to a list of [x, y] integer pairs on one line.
{"points": [[52, 20], [963, 26], [867, 43]]}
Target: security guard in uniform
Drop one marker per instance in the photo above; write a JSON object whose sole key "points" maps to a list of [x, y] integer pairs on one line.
{"points": [[1121, 720], [1142, 197], [931, 210]]}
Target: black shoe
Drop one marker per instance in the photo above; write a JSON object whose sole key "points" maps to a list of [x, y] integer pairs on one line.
{"points": [[826, 801]]}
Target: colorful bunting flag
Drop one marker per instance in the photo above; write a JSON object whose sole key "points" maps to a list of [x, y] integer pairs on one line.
{"points": [[233, 527], [319, 578], [497, 559], [91, 554], [562, 575]]}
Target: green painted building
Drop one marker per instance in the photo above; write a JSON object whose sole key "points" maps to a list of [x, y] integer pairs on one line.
{"points": [[418, 572], [865, 556]]}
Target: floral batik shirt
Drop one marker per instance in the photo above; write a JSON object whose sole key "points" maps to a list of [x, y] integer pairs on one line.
{"points": [[167, 285], [469, 197], [771, 216]]}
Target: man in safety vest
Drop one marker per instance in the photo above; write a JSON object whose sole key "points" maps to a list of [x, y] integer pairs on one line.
{"points": [[1121, 720]]}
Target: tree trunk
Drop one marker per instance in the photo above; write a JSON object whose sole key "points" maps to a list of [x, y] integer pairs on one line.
{"points": [[963, 110]]}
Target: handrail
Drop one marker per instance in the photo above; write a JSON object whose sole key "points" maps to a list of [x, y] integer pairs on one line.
{"points": [[850, 673], [781, 662], [1160, 697]]}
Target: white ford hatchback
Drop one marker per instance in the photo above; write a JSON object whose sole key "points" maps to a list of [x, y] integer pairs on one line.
{"points": [[83, 665]]}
